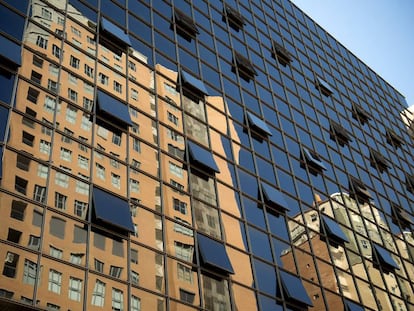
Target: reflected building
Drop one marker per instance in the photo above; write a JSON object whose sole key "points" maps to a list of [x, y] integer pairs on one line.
{"points": [[165, 156]]}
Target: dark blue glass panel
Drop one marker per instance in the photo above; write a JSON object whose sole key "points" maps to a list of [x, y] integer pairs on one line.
{"points": [[111, 107], [333, 229], [294, 289], [201, 156], [193, 81], [265, 277], [6, 82], [112, 210], [85, 10], [115, 31], [273, 197], [1, 162], [214, 254], [259, 244], [4, 116], [21, 5], [10, 50], [11, 23], [352, 306], [258, 124], [384, 257]]}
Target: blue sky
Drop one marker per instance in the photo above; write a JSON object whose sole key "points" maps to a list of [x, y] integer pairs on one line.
{"points": [[379, 32]]}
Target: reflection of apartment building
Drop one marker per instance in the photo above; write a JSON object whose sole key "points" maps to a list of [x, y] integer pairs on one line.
{"points": [[159, 156]]}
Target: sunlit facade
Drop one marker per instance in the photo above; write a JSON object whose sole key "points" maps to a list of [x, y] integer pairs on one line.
{"points": [[197, 155]]}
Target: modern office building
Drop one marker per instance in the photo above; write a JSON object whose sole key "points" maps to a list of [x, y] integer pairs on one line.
{"points": [[197, 155]]}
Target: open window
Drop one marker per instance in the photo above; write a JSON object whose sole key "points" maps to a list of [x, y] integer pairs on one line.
{"points": [[234, 18], [244, 67], [312, 160], [393, 138], [323, 86], [360, 114], [185, 25], [333, 230], [340, 133], [273, 198], [358, 191], [259, 126], [113, 37], [409, 182], [202, 158], [352, 306], [378, 161], [401, 216], [281, 54], [110, 210], [111, 110], [293, 291], [10, 53], [192, 86], [382, 257], [213, 255]]}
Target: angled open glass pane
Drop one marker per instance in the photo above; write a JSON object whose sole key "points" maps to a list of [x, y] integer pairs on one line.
{"points": [[324, 86], [10, 51], [340, 132], [352, 306], [384, 257], [112, 210], [202, 157], [213, 254], [333, 230], [188, 79], [293, 289], [402, 215], [185, 22], [273, 197], [110, 107], [313, 159], [258, 124], [234, 17], [359, 189], [114, 31]]}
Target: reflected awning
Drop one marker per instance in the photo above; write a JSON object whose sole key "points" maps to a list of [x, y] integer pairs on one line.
{"points": [[112, 109], [10, 51], [202, 157], [114, 31], [273, 197], [258, 124], [112, 210], [213, 254]]}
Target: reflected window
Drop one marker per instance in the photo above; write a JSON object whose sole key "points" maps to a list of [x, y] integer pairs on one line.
{"points": [[293, 289], [281, 54], [213, 255], [187, 296], [10, 264]]}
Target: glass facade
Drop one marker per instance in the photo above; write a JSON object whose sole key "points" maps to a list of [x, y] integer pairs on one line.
{"points": [[197, 155]]}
